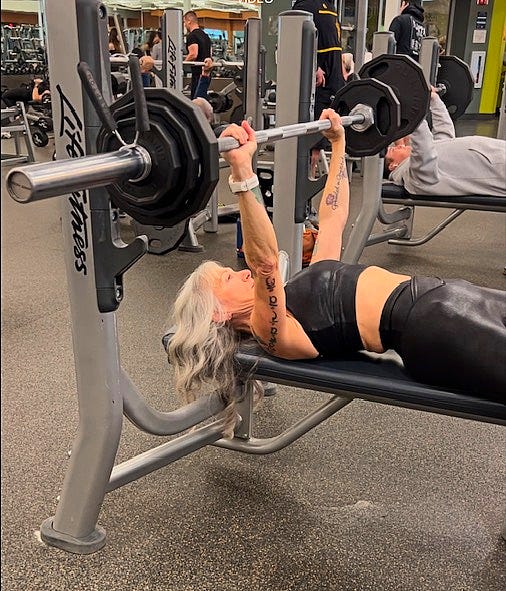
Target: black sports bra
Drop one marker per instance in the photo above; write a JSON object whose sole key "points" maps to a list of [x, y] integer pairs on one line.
{"points": [[322, 298]]}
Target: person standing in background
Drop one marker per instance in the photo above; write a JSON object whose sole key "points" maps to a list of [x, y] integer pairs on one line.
{"points": [[408, 28], [156, 49], [114, 42], [329, 64], [198, 45], [329, 67]]}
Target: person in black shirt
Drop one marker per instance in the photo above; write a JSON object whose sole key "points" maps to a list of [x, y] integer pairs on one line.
{"points": [[329, 66], [408, 28], [35, 91], [198, 45], [329, 72]]}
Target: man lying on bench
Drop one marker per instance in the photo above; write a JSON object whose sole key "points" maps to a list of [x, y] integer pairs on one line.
{"points": [[447, 332], [438, 163]]}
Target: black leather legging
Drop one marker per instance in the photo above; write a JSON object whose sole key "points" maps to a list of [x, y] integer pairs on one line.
{"points": [[449, 333]]}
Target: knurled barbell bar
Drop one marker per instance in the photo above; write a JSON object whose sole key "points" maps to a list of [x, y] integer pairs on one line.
{"points": [[46, 180], [216, 64], [164, 171]]}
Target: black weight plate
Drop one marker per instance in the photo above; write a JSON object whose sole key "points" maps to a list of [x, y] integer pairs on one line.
{"points": [[172, 158], [458, 81], [40, 138], [45, 123], [173, 197], [189, 131], [151, 192], [166, 167], [386, 111], [219, 102], [207, 144], [406, 78]]}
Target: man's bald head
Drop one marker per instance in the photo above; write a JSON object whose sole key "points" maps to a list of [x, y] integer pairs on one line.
{"points": [[205, 108]]}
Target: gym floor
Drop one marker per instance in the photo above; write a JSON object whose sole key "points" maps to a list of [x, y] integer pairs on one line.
{"points": [[376, 498]]}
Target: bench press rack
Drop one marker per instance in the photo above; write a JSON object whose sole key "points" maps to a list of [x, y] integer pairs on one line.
{"points": [[96, 259]]}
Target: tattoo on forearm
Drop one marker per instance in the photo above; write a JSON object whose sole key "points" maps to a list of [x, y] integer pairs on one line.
{"points": [[270, 283], [258, 194], [332, 198]]}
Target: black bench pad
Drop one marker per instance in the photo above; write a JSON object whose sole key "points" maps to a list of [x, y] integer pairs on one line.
{"points": [[369, 377], [392, 193]]}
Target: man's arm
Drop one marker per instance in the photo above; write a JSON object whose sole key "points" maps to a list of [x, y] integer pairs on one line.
{"points": [[442, 124], [421, 168], [204, 80], [193, 51]]}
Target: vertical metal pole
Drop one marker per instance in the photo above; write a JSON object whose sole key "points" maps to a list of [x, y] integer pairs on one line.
{"points": [[77, 31], [501, 130], [253, 73], [429, 59], [381, 8], [361, 7], [172, 46], [120, 32], [40, 20], [391, 11], [291, 97], [372, 179]]}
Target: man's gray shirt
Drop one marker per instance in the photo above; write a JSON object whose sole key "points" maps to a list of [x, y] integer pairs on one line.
{"points": [[442, 164]]}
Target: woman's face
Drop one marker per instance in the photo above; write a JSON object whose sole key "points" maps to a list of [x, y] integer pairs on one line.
{"points": [[234, 289]]}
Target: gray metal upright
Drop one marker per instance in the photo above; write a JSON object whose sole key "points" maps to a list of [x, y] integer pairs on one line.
{"points": [[429, 59], [295, 80], [383, 42], [172, 45], [98, 366], [361, 7], [253, 73]]}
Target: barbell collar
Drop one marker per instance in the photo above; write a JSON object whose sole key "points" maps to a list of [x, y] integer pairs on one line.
{"points": [[441, 89], [61, 177], [367, 113]]}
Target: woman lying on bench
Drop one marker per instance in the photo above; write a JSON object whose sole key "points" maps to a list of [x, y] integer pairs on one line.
{"points": [[447, 332]]}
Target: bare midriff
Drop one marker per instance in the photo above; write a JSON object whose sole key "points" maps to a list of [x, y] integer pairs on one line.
{"points": [[374, 287]]}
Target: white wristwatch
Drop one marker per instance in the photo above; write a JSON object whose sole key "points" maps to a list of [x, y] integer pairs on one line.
{"points": [[242, 186]]}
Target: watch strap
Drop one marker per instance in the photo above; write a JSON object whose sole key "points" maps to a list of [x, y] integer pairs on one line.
{"points": [[243, 186]]}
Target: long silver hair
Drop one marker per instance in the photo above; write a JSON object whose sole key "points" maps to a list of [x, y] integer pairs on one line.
{"points": [[203, 347]]}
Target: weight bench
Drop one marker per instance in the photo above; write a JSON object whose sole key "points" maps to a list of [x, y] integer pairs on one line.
{"points": [[396, 195], [364, 375], [377, 378]]}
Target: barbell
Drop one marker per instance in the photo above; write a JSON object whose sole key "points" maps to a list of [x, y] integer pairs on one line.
{"points": [[454, 82], [216, 64], [165, 171]]}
